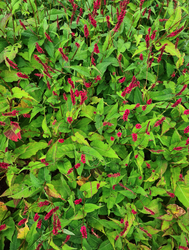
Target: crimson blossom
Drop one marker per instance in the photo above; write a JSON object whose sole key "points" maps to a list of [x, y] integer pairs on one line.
{"points": [[83, 232]]}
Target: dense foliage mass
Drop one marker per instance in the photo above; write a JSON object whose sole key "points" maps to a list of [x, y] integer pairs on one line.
{"points": [[94, 121]]}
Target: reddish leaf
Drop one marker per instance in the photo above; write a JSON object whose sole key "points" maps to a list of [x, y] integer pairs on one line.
{"points": [[10, 134]]}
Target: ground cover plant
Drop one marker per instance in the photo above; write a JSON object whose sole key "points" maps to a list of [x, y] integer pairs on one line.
{"points": [[94, 121]]}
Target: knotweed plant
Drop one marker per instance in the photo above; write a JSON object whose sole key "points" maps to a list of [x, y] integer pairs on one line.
{"points": [[94, 120]]}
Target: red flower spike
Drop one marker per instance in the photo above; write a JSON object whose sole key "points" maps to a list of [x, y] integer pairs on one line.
{"points": [[71, 83], [96, 50], [171, 194], [43, 203], [113, 187], [140, 177], [65, 97], [12, 64], [134, 136], [86, 31], [77, 44], [39, 223], [78, 201], [119, 134], [2, 227], [133, 211], [39, 49], [142, 229], [187, 142], [22, 222], [176, 103], [70, 171], [72, 97], [183, 88], [184, 248], [178, 148], [21, 23], [138, 126], [144, 107], [77, 165], [83, 158], [61, 140], [141, 57], [67, 238], [176, 32], [153, 35], [121, 221], [186, 130], [122, 80], [36, 217], [69, 120], [147, 209], [19, 74], [87, 85], [117, 237], [4, 165], [148, 165], [83, 232], [149, 101], [98, 185], [137, 105], [48, 37]]}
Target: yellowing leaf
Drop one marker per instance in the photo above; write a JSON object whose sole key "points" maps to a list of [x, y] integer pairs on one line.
{"points": [[23, 104], [82, 180], [22, 232], [170, 48], [180, 61], [51, 191], [3, 207]]}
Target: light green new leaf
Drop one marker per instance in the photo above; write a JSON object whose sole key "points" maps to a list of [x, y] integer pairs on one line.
{"points": [[174, 20], [47, 132], [80, 139], [90, 188], [89, 207], [182, 193], [19, 93], [104, 149], [81, 70], [26, 151]]}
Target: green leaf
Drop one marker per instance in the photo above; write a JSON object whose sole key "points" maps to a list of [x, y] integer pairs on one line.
{"points": [[26, 151], [100, 107], [165, 94], [182, 193], [49, 47], [170, 48], [174, 20], [88, 111], [128, 194], [89, 188], [104, 149], [175, 137], [9, 76], [19, 93], [113, 113], [80, 139], [4, 21], [81, 70], [47, 132], [89, 207], [106, 245], [92, 152]]}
